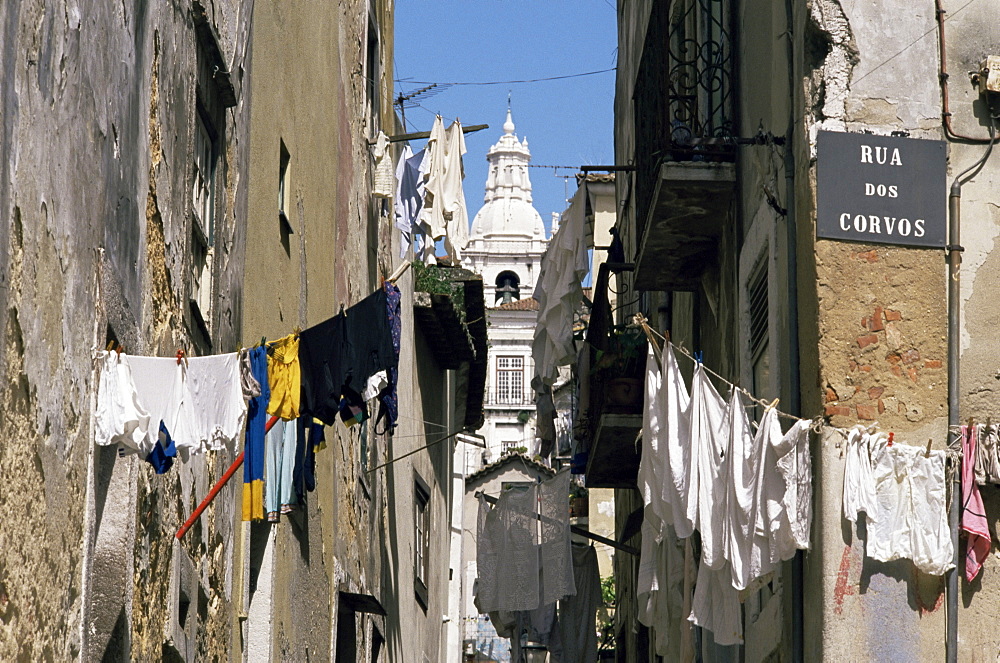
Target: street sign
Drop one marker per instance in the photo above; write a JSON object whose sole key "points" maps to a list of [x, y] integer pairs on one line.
{"points": [[881, 189]]}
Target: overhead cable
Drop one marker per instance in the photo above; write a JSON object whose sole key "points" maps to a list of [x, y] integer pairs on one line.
{"points": [[526, 80]]}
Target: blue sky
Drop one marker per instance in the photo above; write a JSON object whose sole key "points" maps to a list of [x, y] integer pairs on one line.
{"points": [[568, 122]]}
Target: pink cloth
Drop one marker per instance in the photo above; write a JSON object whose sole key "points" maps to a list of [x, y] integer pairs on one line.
{"points": [[978, 543]]}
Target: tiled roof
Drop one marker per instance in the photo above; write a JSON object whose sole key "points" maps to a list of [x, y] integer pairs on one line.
{"points": [[512, 457], [529, 304], [594, 177]]}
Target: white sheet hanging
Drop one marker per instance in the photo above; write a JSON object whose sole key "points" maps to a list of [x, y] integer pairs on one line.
{"points": [[859, 486], [741, 492], [676, 434], [120, 418], [512, 547], [706, 485]]}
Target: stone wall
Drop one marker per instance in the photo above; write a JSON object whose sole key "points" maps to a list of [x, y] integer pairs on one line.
{"points": [[97, 147]]}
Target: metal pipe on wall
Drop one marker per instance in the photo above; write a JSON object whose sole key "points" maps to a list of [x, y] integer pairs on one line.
{"points": [[955, 250]]}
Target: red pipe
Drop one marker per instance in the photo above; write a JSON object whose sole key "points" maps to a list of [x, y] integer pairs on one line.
{"points": [[218, 485]]}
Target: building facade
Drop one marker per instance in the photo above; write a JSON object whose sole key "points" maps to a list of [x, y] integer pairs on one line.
{"points": [[123, 207], [720, 197], [195, 176], [505, 246]]}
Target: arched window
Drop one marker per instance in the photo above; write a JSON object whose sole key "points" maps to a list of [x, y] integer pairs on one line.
{"points": [[508, 287]]}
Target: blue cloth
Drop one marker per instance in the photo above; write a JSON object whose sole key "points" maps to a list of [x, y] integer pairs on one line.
{"points": [[304, 475], [253, 449], [163, 453], [279, 465], [389, 397]]}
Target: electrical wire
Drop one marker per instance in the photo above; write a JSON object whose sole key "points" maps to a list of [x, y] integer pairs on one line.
{"points": [[526, 80]]}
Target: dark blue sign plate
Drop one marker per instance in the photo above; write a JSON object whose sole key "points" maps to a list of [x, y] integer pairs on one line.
{"points": [[881, 189]]}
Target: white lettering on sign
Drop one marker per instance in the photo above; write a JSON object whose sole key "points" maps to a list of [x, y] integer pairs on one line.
{"points": [[872, 224], [876, 154], [881, 190]]}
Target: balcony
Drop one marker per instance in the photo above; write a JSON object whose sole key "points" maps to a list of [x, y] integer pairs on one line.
{"points": [[690, 203], [510, 400], [685, 133], [617, 365]]}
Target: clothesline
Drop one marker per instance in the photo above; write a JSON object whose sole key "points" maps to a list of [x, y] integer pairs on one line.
{"points": [[410, 453], [640, 320], [818, 423], [575, 529]]}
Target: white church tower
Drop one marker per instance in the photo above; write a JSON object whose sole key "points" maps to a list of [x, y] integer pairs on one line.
{"points": [[505, 246]]}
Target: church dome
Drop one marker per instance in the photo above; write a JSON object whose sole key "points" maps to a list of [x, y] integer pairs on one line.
{"points": [[508, 212]]}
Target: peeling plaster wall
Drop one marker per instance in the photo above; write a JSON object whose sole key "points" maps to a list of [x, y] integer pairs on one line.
{"points": [[96, 148], [880, 311]]}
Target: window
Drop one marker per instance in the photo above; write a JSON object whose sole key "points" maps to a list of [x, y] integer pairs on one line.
{"points": [[203, 219], [758, 317], [283, 189], [373, 78], [510, 380], [213, 94], [422, 538]]}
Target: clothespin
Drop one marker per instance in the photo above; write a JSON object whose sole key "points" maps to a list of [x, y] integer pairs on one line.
{"points": [[889, 443], [342, 311], [773, 404], [111, 345], [297, 330], [263, 341], [697, 356], [927, 454], [181, 356], [119, 350], [666, 335]]}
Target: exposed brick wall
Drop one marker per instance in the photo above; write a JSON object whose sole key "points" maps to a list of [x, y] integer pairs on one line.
{"points": [[882, 335]]}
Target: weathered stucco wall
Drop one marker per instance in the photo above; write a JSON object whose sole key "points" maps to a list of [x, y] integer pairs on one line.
{"points": [[96, 149], [310, 98], [881, 330]]}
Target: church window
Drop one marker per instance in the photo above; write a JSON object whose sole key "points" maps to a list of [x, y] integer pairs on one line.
{"points": [[510, 379]]}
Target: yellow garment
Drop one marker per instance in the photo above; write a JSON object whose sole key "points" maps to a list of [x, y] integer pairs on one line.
{"points": [[284, 375], [253, 500]]}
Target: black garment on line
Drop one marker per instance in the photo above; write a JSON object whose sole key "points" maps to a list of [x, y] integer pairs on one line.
{"points": [[348, 348]]}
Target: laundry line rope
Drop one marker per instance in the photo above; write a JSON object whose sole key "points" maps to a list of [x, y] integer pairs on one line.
{"points": [[641, 321]]}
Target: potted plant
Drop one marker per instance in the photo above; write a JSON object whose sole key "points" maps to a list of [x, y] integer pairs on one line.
{"points": [[621, 366]]}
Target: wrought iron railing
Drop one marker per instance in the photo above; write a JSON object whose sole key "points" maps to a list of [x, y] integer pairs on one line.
{"points": [[512, 399], [699, 76], [684, 102]]}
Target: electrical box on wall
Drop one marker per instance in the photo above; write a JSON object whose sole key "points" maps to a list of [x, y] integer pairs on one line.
{"points": [[989, 75]]}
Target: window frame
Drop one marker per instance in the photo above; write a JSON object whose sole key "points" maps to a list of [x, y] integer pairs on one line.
{"points": [[204, 216], [511, 393], [421, 538]]}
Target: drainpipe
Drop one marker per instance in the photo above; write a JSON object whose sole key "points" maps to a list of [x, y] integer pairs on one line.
{"points": [[955, 250], [795, 399]]}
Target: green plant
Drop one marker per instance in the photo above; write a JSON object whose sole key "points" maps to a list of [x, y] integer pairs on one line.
{"points": [[626, 352], [606, 615], [437, 281]]}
